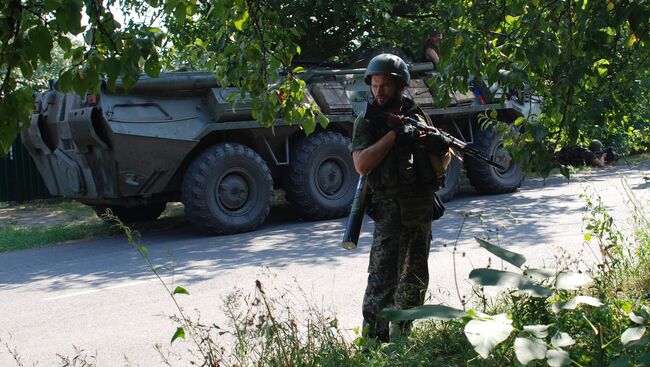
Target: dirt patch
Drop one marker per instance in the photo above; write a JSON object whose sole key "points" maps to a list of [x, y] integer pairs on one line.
{"points": [[21, 217]]}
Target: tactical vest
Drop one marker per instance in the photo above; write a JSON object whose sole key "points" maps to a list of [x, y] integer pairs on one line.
{"points": [[406, 169]]}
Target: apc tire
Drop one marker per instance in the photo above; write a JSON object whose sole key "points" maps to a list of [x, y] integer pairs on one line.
{"points": [[485, 178], [321, 180], [452, 180], [134, 214], [227, 189]]}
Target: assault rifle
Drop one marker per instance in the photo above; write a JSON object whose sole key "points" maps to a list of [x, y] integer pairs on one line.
{"points": [[374, 113], [377, 115]]}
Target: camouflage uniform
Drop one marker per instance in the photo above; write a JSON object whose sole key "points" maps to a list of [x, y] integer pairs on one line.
{"points": [[576, 156], [402, 189]]}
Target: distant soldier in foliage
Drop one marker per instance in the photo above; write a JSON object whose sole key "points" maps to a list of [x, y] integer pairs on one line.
{"points": [[575, 155]]}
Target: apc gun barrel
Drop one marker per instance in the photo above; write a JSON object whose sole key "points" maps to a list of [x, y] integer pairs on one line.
{"points": [[166, 83], [312, 73]]}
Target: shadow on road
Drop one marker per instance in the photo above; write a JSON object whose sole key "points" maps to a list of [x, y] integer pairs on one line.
{"points": [[284, 240]]}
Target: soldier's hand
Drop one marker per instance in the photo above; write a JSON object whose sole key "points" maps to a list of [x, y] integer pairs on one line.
{"points": [[435, 143], [394, 120], [406, 134]]}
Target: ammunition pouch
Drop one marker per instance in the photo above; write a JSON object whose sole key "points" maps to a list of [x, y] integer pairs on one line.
{"points": [[416, 211]]}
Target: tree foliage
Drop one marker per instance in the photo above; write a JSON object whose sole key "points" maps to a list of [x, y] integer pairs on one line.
{"points": [[588, 60]]}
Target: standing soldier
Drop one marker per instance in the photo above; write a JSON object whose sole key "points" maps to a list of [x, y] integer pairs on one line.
{"points": [[403, 178]]}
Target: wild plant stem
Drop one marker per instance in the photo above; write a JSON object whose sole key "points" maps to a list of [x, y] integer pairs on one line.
{"points": [[460, 230], [602, 345], [273, 321], [143, 254]]}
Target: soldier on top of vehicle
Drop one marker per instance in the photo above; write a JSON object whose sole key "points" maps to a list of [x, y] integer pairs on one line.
{"points": [[432, 47]]}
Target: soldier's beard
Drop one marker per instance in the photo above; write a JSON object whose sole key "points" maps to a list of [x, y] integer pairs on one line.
{"points": [[390, 103]]}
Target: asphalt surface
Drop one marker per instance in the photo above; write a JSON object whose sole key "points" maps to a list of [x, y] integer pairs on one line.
{"points": [[99, 296]]}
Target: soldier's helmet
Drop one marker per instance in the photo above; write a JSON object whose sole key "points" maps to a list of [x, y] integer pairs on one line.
{"points": [[596, 146], [387, 64]]}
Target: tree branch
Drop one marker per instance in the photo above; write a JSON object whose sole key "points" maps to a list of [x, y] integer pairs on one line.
{"points": [[14, 24]]}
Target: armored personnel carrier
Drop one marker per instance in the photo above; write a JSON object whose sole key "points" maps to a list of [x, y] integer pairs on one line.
{"points": [[178, 138]]}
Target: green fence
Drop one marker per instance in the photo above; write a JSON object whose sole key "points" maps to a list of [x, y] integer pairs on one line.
{"points": [[19, 177]]}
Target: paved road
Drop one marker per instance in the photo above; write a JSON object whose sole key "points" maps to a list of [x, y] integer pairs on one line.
{"points": [[99, 295]]}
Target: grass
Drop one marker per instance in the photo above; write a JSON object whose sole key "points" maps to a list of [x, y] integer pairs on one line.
{"points": [[12, 238], [263, 330], [82, 223], [80, 220]]}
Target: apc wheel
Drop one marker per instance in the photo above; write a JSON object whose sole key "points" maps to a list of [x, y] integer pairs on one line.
{"points": [[140, 213], [227, 189], [322, 179], [452, 180], [485, 178]]}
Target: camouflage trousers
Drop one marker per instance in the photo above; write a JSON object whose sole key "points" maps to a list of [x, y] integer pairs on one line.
{"points": [[398, 274]]}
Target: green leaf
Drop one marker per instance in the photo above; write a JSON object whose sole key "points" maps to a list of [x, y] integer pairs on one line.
{"points": [[509, 256], [632, 334], [562, 339], [573, 303], [42, 40], [510, 19], [323, 121], [622, 361], [571, 281], [239, 23], [636, 319], [493, 277], [180, 333], [540, 274], [26, 69], [68, 16], [639, 344], [181, 290], [485, 334], [558, 358], [64, 84], [438, 312], [309, 125], [527, 350], [143, 250], [538, 331], [152, 67], [630, 40], [644, 360], [15, 109], [181, 13], [113, 68], [65, 43], [50, 5], [298, 70], [80, 84]]}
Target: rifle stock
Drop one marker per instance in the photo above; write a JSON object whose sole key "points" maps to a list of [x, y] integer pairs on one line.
{"points": [[355, 220]]}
